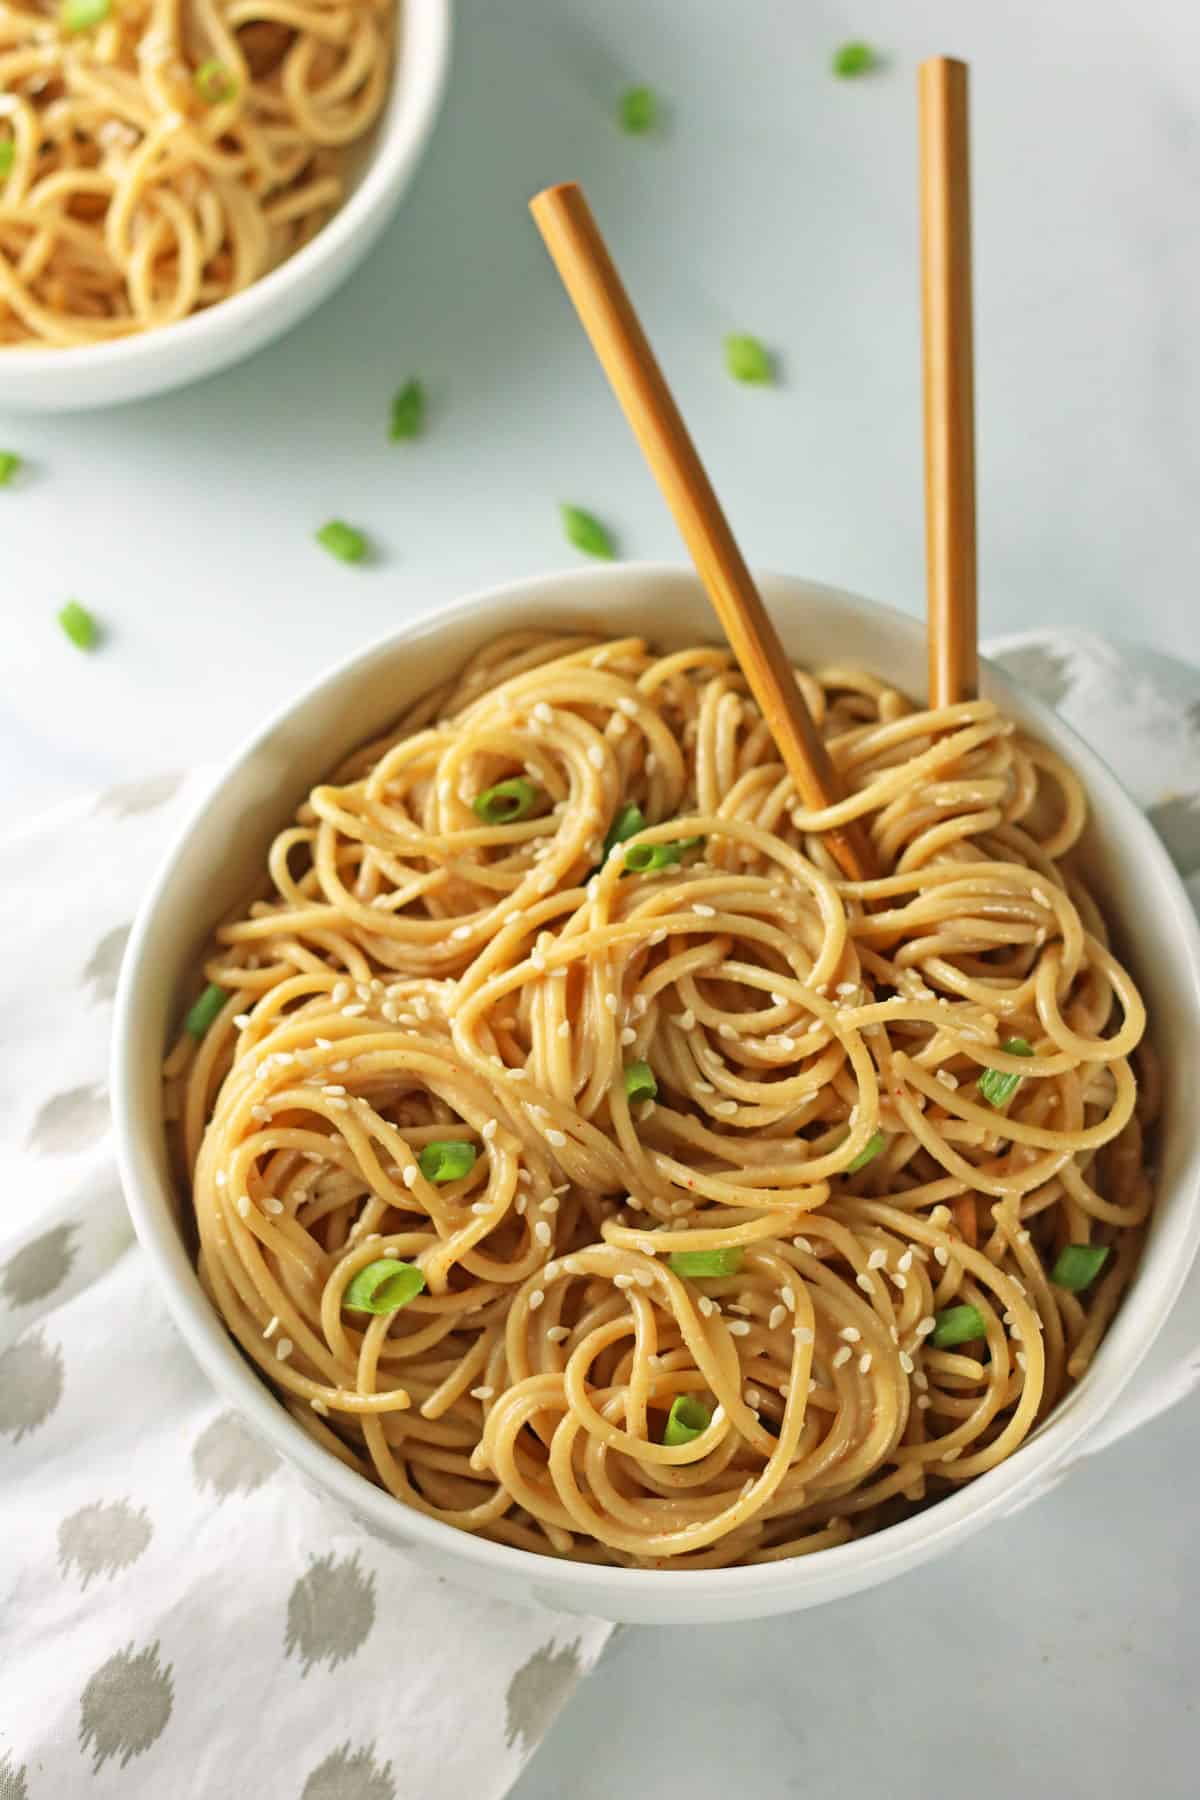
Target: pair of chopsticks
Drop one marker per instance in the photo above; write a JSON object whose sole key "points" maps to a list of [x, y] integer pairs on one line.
{"points": [[607, 315]]}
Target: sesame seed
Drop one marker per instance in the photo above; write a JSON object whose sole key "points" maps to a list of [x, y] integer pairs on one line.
{"points": [[906, 1362], [706, 1306], [776, 1317], [789, 1299], [726, 1108], [557, 1334], [850, 1334], [901, 1281], [864, 1363], [803, 1243], [623, 1281], [725, 1029], [739, 1328], [905, 1262], [611, 1002], [410, 1173], [333, 1087], [924, 1402], [752, 1397], [877, 1259], [595, 756], [481, 1206], [865, 1283], [520, 1203], [243, 1205], [535, 1299], [941, 1254], [705, 912], [542, 1233], [628, 1035], [846, 987], [643, 1277], [241, 1021], [543, 713], [319, 1406], [842, 1356], [920, 1379], [946, 1078], [687, 1020], [272, 1205], [925, 1326], [341, 991], [482, 1393], [283, 1349], [557, 1138], [354, 1011], [271, 1326], [461, 931], [802, 1333]]}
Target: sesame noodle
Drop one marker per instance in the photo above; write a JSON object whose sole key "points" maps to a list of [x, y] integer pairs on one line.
{"points": [[168, 155], [415, 975]]}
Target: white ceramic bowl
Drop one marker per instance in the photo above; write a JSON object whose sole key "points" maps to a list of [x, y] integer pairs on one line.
{"points": [[49, 380], [217, 859]]}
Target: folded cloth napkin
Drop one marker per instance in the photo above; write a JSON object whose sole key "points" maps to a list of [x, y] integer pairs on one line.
{"points": [[179, 1614]]}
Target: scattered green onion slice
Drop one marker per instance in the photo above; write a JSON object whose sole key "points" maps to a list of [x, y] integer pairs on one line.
{"points": [[587, 533], [700, 1264], [628, 822], [447, 1159], [998, 1085], [383, 1286], [853, 59], [408, 412], [342, 541], [10, 462], [686, 1420], [204, 1010], [214, 82], [506, 802], [956, 1325], [81, 15], [79, 625], [1078, 1266], [639, 1081], [638, 110], [747, 359], [640, 857], [867, 1154], [8, 151]]}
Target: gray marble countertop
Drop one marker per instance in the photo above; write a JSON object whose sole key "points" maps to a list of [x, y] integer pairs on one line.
{"points": [[1058, 1652]]}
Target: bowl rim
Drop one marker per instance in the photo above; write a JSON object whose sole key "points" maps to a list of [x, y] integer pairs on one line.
{"points": [[840, 1568], [416, 89]]}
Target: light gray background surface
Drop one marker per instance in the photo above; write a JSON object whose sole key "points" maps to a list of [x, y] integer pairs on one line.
{"points": [[1059, 1653]]}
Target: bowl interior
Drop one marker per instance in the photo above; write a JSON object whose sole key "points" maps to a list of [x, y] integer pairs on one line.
{"points": [[218, 861]]}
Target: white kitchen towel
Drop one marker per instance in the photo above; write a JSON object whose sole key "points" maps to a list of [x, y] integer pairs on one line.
{"points": [[179, 1614]]}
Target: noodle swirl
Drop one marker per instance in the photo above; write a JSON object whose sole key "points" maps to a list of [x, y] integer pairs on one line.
{"points": [[416, 974]]}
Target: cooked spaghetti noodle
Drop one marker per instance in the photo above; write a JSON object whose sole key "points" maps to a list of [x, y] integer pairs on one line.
{"points": [[156, 158], [541, 1072]]}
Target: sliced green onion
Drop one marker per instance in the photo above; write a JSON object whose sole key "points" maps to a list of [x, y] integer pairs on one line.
{"points": [[383, 1286], [628, 822], [998, 1085], [447, 1159], [747, 359], [701, 1264], [639, 1081], [204, 1010], [81, 15], [8, 151], [342, 541], [956, 1325], [1078, 1266], [214, 82], [638, 111], [587, 533], [640, 857], [868, 1153], [686, 1420], [853, 59], [79, 625], [10, 462], [506, 802], [408, 412]]}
